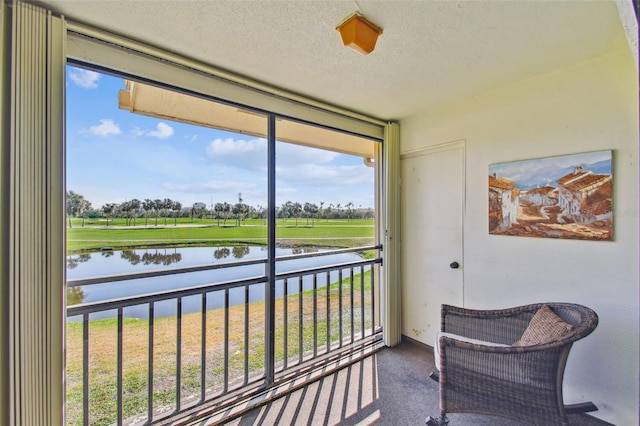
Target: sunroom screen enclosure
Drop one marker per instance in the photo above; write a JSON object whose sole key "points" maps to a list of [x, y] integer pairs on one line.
{"points": [[37, 47], [174, 350]]}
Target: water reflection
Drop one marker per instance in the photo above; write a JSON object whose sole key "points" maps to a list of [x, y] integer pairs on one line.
{"points": [[157, 258], [221, 253], [75, 295], [74, 261], [131, 256], [170, 256], [129, 261], [240, 251], [304, 250]]}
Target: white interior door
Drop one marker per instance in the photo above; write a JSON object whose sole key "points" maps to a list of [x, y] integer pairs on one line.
{"points": [[432, 204]]}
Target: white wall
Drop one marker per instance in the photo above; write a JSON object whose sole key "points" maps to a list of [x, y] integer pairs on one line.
{"points": [[590, 106]]}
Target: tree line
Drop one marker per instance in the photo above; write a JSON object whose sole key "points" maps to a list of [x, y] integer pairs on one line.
{"points": [[135, 211]]}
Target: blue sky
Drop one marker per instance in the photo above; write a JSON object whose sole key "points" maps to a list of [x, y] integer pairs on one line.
{"points": [[114, 155], [528, 174]]}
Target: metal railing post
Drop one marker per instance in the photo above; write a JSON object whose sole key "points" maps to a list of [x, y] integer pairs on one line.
{"points": [[308, 331], [85, 369]]}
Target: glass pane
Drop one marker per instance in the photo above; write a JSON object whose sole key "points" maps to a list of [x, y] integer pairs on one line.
{"points": [[325, 188], [167, 246], [326, 201], [160, 181]]}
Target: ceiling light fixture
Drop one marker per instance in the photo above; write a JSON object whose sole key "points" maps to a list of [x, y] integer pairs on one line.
{"points": [[359, 34]]}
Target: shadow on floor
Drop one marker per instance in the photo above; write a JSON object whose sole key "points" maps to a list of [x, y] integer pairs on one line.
{"points": [[390, 387]]}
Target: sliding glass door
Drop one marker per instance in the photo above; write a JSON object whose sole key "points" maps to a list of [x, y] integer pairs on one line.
{"points": [[211, 247]]}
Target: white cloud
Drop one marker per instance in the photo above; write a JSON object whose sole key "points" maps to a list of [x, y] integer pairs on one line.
{"points": [[302, 173], [285, 192], [289, 154], [235, 147], [137, 132], [252, 154], [326, 175], [83, 78], [238, 153], [106, 127], [162, 131]]}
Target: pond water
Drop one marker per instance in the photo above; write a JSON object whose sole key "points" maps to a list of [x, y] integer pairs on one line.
{"points": [[128, 261]]}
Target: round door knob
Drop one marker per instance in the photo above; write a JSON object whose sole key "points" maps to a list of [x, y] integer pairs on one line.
{"points": [[454, 265]]}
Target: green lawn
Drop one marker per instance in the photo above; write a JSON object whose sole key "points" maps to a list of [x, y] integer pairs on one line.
{"points": [[96, 235], [103, 348]]}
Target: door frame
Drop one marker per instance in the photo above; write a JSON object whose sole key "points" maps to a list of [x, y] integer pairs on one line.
{"points": [[431, 150]]}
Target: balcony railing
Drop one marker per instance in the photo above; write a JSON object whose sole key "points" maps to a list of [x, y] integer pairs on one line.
{"points": [[212, 347]]}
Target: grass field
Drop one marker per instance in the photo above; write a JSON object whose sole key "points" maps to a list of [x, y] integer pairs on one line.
{"points": [[103, 349], [95, 235]]}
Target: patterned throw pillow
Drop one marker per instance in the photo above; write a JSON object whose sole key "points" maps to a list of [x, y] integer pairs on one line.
{"points": [[545, 326]]}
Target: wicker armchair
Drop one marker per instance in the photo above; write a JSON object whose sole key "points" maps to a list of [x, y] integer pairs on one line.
{"points": [[507, 377]]}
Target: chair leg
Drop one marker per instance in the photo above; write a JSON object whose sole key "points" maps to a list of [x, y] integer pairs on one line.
{"points": [[582, 407], [437, 421]]}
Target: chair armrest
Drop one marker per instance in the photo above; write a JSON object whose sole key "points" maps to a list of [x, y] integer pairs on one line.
{"points": [[460, 358], [506, 326], [464, 342], [503, 326], [444, 339]]}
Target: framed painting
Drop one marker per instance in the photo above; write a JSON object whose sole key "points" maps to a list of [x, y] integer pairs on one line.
{"points": [[568, 196]]}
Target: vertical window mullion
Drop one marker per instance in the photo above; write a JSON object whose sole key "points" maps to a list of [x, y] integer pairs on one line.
{"points": [[270, 285]]}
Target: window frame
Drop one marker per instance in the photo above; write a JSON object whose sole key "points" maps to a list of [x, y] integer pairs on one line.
{"points": [[103, 52]]}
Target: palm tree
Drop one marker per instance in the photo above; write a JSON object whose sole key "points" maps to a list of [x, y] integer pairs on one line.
{"points": [[167, 205], [83, 206], [218, 208], [240, 210], [134, 207], [125, 207], [157, 207], [226, 210], [311, 210], [147, 205], [76, 205], [327, 213], [297, 208], [260, 211], [175, 207], [349, 211], [286, 210], [108, 209], [72, 205]]}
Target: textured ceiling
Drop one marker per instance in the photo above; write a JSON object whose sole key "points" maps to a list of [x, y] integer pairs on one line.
{"points": [[431, 52]]}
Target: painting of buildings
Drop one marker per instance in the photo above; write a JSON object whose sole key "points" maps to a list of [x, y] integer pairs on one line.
{"points": [[568, 196]]}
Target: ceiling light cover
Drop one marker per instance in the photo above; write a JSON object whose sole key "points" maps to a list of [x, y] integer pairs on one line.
{"points": [[359, 34]]}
